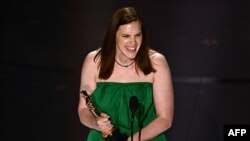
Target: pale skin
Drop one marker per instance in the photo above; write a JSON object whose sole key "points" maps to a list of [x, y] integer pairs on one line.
{"points": [[128, 41]]}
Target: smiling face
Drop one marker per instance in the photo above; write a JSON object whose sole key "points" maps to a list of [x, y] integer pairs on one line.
{"points": [[128, 41]]}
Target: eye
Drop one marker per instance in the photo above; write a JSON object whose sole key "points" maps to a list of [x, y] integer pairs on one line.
{"points": [[125, 36], [138, 35]]}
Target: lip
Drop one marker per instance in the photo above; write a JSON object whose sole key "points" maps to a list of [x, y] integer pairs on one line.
{"points": [[131, 48]]}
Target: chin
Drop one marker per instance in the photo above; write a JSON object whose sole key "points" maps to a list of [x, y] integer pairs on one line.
{"points": [[131, 56]]}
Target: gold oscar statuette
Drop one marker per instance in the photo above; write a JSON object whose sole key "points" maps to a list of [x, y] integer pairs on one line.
{"points": [[113, 134]]}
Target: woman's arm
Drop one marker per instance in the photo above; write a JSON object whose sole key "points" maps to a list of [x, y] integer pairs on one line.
{"points": [[163, 100], [88, 77], [88, 83]]}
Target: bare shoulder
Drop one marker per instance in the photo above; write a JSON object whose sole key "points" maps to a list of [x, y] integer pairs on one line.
{"points": [[90, 62], [90, 58], [157, 58], [89, 72]]}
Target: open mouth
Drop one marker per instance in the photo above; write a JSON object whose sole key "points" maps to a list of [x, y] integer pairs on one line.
{"points": [[131, 49]]}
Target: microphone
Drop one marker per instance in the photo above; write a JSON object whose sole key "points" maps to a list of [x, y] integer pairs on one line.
{"points": [[133, 105]]}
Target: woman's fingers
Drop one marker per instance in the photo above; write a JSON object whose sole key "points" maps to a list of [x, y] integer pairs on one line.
{"points": [[104, 123], [104, 115], [107, 129]]}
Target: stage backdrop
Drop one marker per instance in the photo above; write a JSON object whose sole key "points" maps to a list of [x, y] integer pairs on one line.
{"points": [[44, 42]]}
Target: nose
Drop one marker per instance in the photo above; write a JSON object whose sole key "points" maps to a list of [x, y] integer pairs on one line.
{"points": [[133, 41]]}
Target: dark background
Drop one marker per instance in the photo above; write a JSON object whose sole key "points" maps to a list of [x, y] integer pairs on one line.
{"points": [[44, 42]]}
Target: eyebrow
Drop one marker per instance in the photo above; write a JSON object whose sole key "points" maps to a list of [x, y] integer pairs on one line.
{"points": [[139, 33], [124, 34]]}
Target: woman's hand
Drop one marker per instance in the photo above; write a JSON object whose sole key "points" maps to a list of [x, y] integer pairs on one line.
{"points": [[103, 123]]}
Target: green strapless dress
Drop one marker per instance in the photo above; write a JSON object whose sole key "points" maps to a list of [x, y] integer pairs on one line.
{"points": [[113, 98]]}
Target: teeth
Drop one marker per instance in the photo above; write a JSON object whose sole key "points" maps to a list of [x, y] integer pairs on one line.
{"points": [[131, 48]]}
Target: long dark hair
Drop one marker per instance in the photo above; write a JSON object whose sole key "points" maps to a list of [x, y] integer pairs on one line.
{"points": [[106, 54]]}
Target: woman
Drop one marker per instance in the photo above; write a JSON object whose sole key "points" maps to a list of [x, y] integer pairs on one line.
{"points": [[122, 67]]}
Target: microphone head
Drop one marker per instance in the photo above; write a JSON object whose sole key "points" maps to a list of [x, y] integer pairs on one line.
{"points": [[133, 104]]}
